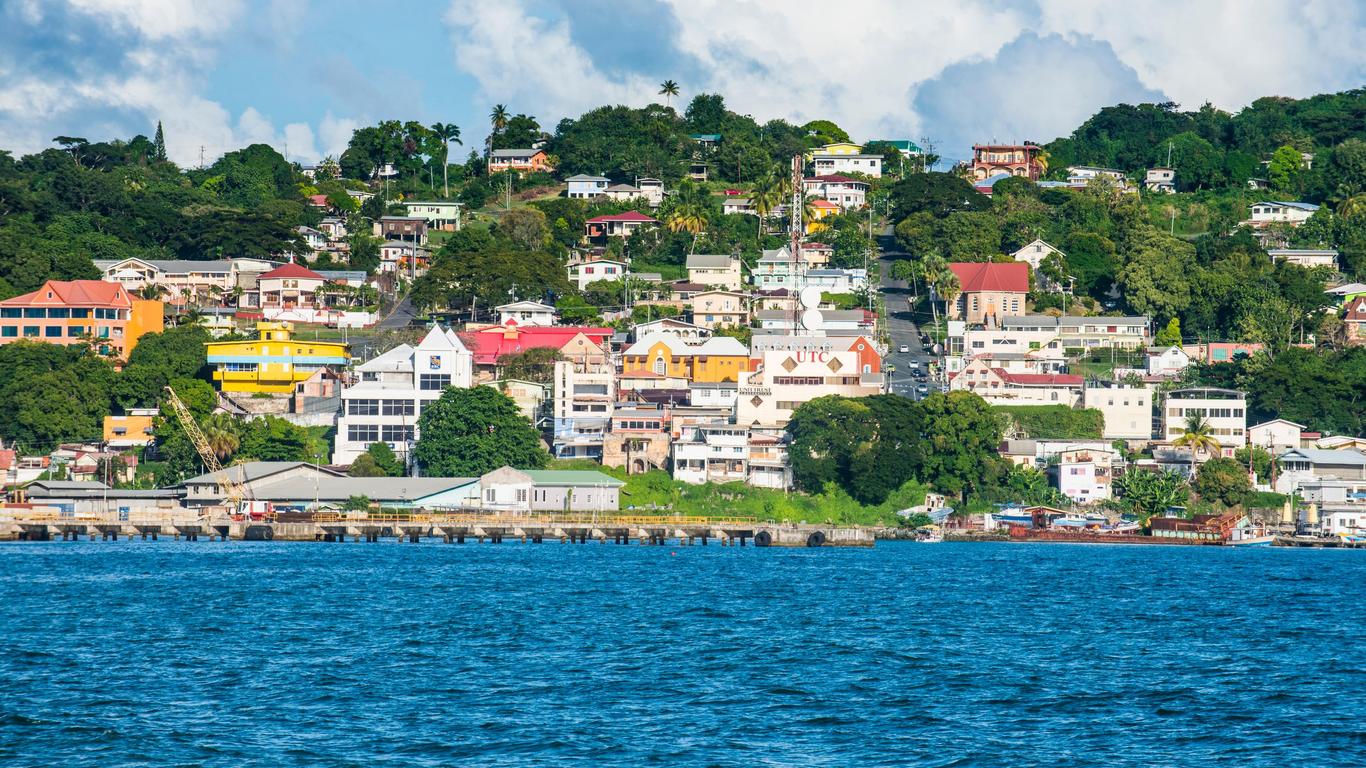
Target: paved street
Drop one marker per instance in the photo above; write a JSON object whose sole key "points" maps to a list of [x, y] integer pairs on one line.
{"points": [[401, 317], [901, 326]]}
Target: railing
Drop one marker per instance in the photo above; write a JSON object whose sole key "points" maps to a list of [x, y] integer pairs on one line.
{"points": [[578, 518]]}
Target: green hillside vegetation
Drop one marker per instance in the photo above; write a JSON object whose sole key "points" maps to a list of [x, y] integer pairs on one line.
{"points": [[1056, 422], [657, 491]]}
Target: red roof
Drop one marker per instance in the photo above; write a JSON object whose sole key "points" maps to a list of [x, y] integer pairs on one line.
{"points": [[318, 200], [291, 270], [489, 344], [1357, 312], [628, 216], [1039, 379], [819, 203], [817, 247], [78, 292], [1011, 277]]}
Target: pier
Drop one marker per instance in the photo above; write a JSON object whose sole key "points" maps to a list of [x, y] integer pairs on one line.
{"points": [[447, 528]]}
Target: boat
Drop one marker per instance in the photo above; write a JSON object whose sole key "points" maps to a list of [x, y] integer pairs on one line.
{"points": [[930, 534]]}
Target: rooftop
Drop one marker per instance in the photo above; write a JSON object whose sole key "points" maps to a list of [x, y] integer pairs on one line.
{"points": [[976, 277]]}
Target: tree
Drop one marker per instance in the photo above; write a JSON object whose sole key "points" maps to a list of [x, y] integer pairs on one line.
{"points": [[690, 211], [1198, 436], [961, 436], [828, 433], [1156, 278], [1198, 163], [498, 118], [468, 432], [535, 365], [220, 429], [668, 89], [1170, 335], [1255, 459], [1284, 170], [1223, 480], [378, 460], [938, 194], [526, 227], [159, 358], [1144, 493], [159, 145], [446, 133]]}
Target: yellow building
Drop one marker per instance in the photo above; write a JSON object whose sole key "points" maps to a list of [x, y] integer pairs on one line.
{"points": [[273, 362], [838, 148], [128, 430], [713, 361], [820, 208]]}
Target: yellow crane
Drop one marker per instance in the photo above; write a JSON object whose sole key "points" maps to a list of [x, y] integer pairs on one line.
{"points": [[234, 493]]}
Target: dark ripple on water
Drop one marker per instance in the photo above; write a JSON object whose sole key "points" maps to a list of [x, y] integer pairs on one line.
{"points": [[952, 655]]}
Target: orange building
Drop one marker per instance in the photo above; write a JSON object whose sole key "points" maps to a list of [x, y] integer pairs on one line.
{"points": [[715, 360], [104, 315]]}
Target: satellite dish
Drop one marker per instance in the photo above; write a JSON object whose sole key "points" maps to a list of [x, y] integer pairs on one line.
{"points": [[811, 297], [812, 320]]}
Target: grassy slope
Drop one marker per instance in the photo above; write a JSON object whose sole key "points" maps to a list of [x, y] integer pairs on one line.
{"points": [[658, 490]]}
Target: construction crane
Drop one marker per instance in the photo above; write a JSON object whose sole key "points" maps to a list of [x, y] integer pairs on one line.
{"points": [[234, 493]]}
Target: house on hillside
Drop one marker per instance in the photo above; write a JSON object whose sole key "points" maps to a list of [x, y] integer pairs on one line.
{"points": [[1034, 253], [1269, 212], [520, 161], [717, 270], [1014, 159], [989, 292], [1306, 257], [1161, 180], [583, 273], [104, 316], [582, 186], [599, 228], [844, 191]]}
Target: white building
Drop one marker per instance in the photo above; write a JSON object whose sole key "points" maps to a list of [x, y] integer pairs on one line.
{"points": [[1161, 180], [1085, 475], [439, 214], [582, 186], [786, 379], [1270, 212], [721, 452], [582, 402], [998, 386], [1306, 257], [827, 164], [1163, 361], [1301, 466], [527, 313], [1225, 409], [1128, 411], [1276, 436], [843, 191], [385, 404], [1034, 253], [584, 273]]}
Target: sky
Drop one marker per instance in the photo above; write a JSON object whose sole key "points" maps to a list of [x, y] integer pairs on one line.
{"points": [[302, 74]]}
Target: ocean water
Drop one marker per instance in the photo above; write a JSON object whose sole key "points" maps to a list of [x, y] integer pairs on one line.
{"points": [[388, 654]]}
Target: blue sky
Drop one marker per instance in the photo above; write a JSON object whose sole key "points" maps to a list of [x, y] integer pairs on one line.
{"points": [[304, 73]]}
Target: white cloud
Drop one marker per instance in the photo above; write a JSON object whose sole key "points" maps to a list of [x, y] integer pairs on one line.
{"points": [[149, 67]]}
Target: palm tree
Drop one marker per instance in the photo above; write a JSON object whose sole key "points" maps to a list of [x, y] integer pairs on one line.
{"points": [[499, 118], [770, 191], [1352, 207], [220, 429], [668, 89], [446, 133], [1198, 437], [691, 212]]}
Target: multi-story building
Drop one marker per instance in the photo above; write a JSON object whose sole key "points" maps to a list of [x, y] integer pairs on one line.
{"points": [[844, 191], [640, 438], [103, 316], [717, 309], [1015, 159], [583, 273], [989, 292], [439, 214], [526, 313], [490, 345], [272, 362], [289, 286], [786, 378], [829, 164], [412, 229], [520, 161], [1034, 253], [599, 228], [1128, 411], [1160, 180], [716, 359], [1276, 436], [721, 452], [1225, 409], [999, 386], [386, 402], [182, 281], [1306, 257], [583, 397], [1268, 212], [1302, 466], [1085, 475], [715, 270]]}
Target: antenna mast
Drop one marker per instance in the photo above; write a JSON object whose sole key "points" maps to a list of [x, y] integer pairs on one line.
{"points": [[795, 244]]}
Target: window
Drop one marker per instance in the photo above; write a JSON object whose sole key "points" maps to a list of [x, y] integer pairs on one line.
{"points": [[362, 408], [398, 408], [240, 367], [75, 330], [521, 495], [10, 312], [433, 381], [391, 434], [9, 331], [30, 330], [53, 331], [59, 312], [363, 433], [490, 496]]}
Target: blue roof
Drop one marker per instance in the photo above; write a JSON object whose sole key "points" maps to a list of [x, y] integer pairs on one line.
{"points": [[706, 136]]}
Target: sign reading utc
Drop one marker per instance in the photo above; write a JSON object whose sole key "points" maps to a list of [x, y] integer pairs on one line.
{"points": [[810, 356]]}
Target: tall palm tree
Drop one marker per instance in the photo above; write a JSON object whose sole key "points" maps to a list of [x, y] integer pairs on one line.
{"points": [[668, 89], [1198, 437], [770, 191], [446, 133], [1353, 207], [498, 118]]}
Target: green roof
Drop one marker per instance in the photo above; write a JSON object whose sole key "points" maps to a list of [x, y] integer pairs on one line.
{"points": [[570, 477], [705, 136], [904, 145]]}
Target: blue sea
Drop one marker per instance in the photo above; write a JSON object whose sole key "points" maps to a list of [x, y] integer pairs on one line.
{"points": [[388, 654]]}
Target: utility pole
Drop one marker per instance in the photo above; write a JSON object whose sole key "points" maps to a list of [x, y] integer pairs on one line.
{"points": [[201, 157]]}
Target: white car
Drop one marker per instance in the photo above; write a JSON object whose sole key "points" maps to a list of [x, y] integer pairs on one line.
{"points": [[904, 349]]}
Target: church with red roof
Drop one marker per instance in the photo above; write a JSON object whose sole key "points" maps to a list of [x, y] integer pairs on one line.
{"points": [[989, 291]]}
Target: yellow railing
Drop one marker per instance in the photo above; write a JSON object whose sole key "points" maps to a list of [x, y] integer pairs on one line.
{"points": [[458, 518]]}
